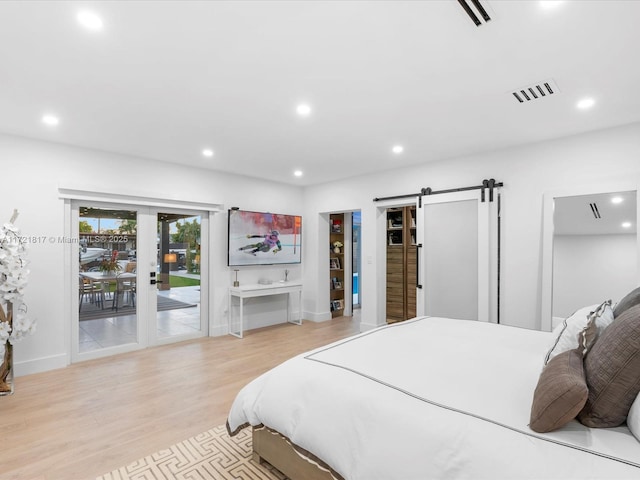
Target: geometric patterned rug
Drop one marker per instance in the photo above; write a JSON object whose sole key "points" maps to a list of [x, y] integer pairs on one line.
{"points": [[209, 455]]}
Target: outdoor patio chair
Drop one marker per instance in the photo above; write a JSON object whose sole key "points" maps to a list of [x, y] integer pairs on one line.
{"points": [[92, 290]]}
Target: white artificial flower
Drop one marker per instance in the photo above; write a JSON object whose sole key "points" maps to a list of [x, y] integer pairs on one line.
{"points": [[13, 281], [22, 326], [5, 331]]}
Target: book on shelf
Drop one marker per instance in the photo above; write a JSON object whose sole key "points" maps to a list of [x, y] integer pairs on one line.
{"points": [[395, 238]]}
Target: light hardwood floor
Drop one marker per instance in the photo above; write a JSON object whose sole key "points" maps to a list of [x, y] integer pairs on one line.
{"points": [[87, 419]]}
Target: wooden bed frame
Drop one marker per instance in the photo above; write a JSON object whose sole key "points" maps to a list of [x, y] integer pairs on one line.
{"points": [[272, 447]]}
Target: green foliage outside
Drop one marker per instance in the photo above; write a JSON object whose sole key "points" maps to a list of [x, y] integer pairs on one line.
{"points": [[177, 281], [189, 233], [85, 227], [128, 226]]}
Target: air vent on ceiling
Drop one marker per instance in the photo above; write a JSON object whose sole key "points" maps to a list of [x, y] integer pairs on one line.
{"points": [[594, 210], [536, 91], [476, 11]]}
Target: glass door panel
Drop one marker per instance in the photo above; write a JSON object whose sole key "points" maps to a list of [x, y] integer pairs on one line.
{"points": [[178, 292], [107, 278]]}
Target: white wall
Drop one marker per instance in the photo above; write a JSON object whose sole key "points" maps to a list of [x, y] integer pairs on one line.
{"points": [[527, 172], [32, 171], [589, 269]]}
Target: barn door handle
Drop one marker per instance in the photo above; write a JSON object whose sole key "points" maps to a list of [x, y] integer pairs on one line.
{"points": [[418, 284]]}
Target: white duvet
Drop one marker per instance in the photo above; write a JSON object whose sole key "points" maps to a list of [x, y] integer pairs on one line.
{"points": [[430, 398]]}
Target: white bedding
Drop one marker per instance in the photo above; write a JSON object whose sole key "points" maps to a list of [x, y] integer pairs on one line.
{"points": [[430, 398]]}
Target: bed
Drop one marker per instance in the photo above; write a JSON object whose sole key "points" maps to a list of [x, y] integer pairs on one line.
{"points": [[427, 398]]}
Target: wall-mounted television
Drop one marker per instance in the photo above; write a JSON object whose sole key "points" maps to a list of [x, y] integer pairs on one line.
{"points": [[262, 238]]}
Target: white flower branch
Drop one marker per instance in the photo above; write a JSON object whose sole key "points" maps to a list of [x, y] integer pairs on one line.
{"points": [[14, 322]]}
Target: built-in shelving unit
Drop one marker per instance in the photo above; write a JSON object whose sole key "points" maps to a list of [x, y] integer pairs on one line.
{"points": [[336, 264], [401, 263]]}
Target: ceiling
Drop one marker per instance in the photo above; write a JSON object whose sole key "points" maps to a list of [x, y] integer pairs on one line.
{"points": [[166, 79]]}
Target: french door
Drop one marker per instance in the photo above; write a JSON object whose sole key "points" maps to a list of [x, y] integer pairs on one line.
{"points": [[140, 274], [458, 258]]}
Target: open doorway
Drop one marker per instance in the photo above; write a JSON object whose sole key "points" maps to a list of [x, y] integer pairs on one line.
{"points": [[356, 262], [345, 283]]}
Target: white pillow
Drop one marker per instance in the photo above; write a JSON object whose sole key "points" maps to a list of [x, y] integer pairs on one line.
{"points": [[566, 334], [633, 419]]}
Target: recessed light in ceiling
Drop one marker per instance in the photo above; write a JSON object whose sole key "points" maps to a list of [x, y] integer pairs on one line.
{"points": [[397, 149], [89, 20], [626, 225], [303, 110], [585, 103], [50, 120], [617, 200], [550, 4], [207, 152], [298, 173]]}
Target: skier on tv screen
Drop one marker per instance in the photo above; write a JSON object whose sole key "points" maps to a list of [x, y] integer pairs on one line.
{"points": [[270, 241]]}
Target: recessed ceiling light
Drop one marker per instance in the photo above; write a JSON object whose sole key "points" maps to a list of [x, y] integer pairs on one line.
{"points": [[303, 110], [298, 173], [397, 149], [89, 20], [617, 200], [550, 4], [626, 225], [586, 103], [207, 152], [50, 120]]}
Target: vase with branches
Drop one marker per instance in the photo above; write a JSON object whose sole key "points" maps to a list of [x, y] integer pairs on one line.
{"points": [[15, 324]]}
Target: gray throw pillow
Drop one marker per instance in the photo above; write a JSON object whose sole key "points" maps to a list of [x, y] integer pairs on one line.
{"points": [[561, 392], [612, 370], [631, 299]]}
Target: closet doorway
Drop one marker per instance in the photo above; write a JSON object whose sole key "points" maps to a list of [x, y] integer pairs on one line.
{"points": [[140, 273], [401, 263]]}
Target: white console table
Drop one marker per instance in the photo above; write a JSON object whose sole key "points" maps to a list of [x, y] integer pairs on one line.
{"points": [[259, 290]]}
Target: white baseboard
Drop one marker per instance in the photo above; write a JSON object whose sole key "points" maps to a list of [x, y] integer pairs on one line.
{"points": [[316, 316], [40, 365]]}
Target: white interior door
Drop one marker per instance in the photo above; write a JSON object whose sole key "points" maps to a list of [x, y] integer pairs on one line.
{"points": [[457, 275]]}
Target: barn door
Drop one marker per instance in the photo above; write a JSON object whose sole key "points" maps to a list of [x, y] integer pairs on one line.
{"points": [[458, 256]]}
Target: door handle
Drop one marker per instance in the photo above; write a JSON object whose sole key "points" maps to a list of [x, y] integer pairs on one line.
{"points": [[418, 247]]}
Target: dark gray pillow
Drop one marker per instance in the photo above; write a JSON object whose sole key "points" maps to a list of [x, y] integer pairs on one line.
{"points": [[561, 392], [612, 370], [631, 299]]}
